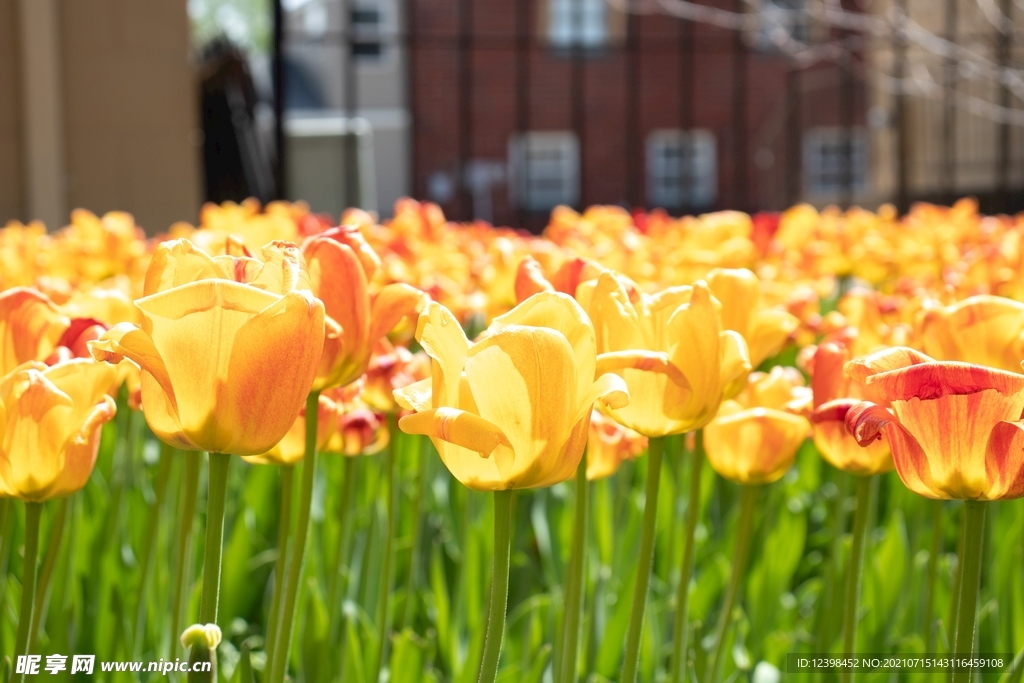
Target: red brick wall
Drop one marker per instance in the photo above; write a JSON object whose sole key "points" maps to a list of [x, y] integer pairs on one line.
{"points": [[612, 161]]}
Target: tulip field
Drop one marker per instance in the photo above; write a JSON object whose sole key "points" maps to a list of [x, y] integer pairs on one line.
{"points": [[279, 445]]}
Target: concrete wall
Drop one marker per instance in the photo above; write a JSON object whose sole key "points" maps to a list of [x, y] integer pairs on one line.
{"points": [[11, 190]]}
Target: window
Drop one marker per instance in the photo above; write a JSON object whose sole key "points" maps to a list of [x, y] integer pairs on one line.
{"points": [[544, 169], [682, 170], [367, 27], [577, 23], [835, 160]]}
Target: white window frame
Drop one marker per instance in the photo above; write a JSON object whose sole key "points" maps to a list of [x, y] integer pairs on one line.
{"points": [[818, 169], [528, 169], [578, 23], [667, 185]]}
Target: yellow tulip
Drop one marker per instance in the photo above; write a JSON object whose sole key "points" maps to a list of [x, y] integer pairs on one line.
{"points": [[668, 347], [609, 445], [512, 410], [31, 325], [754, 438], [228, 346], [982, 330], [50, 419], [341, 265], [764, 329]]}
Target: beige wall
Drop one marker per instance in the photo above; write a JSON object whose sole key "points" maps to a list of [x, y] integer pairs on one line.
{"points": [[129, 116], [11, 190], [130, 109]]}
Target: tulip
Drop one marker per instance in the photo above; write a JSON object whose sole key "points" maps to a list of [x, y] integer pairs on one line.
{"points": [[510, 411], [982, 463], [50, 420], [228, 347], [982, 330], [834, 395], [753, 441], [669, 348], [30, 327], [764, 329], [341, 265], [677, 362]]}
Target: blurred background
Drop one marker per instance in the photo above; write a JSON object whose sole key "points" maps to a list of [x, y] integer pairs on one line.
{"points": [[502, 109]]}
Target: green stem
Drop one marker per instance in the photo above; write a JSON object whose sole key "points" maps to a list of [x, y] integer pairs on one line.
{"points": [[681, 634], [417, 534], [28, 581], [930, 628], [185, 524], [860, 527], [163, 473], [744, 536], [383, 616], [954, 603], [655, 450], [973, 534], [284, 523], [575, 580], [284, 630], [335, 590], [499, 587], [46, 571], [218, 488]]}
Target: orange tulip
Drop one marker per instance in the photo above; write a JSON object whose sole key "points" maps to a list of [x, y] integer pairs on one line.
{"points": [[754, 438], [30, 327], [50, 419], [341, 265], [834, 395], [228, 346], [955, 429], [983, 330]]}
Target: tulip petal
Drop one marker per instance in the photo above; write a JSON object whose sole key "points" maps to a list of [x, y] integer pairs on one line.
{"points": [[828, 382], [271, 370], [648, 361], [739, 292], [417, 396], [561, 313], [338, 278], [392, 303], [866, 421], [530, 280], [128, 341], [456, 427], [179, 262], [929, 381], [81, 449], [523, 379], [736, 363], [30, 326], [892, 358], [985, 330], [1004, 462], [769, 330], [610, 389], [443, 340], [754, 446]]}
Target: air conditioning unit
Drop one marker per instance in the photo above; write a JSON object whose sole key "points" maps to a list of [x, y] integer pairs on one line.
{"points": [[329, 162]]}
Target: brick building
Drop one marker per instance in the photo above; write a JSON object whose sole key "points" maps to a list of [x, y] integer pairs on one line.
{"points": [[521, 105]]}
